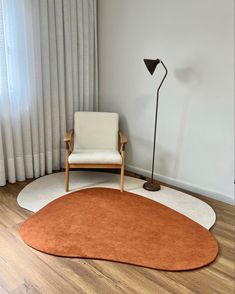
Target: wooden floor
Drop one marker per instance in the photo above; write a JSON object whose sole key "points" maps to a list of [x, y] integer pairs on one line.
{"points": [[24, 270]]}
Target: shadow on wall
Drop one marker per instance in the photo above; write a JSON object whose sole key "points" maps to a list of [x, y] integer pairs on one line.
{"points": [[137, 144], [142, 105], [140, 147], [164, 158], [163, 161], [188, 77], [125, 129]]}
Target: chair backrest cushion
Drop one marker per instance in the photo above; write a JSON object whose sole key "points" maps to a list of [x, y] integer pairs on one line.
{"points": [[96, 130]]}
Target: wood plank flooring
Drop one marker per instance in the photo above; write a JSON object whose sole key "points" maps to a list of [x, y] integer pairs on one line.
{"points": [[25, 270]]}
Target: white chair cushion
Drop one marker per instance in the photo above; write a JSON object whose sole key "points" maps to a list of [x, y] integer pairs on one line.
{"points": [[96, 130], [95, 156]]}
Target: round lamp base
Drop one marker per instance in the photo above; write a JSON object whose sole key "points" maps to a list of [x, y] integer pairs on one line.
{"points": [[151, 186]]}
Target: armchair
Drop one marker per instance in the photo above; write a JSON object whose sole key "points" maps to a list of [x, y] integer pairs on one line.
{"points": [[95, 142]]}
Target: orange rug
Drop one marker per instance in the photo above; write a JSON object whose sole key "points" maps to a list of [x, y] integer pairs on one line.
{"points": [[102, 223]]}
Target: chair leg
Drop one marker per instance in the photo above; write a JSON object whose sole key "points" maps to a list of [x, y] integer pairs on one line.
{"points": [[122, 178], [67, 177]]}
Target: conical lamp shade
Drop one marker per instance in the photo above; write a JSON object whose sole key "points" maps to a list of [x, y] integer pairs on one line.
{"points": [[151, 64]]}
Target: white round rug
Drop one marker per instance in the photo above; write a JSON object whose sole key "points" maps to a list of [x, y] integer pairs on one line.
{"points": [[45, 189]]}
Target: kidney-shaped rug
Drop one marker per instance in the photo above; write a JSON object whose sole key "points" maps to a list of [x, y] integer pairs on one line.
{"points": [[103, 223]]}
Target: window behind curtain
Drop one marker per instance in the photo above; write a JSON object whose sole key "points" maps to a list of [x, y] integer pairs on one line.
{"points": [[14, 55]]}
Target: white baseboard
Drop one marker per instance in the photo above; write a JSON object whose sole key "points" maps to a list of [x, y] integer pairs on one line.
{"points": [[183, 185]]}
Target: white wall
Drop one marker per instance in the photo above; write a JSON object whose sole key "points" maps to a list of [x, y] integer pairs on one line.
{"points": [[195, 145]]}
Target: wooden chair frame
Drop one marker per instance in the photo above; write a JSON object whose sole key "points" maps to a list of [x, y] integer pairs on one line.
{"points": [[69, 141]]}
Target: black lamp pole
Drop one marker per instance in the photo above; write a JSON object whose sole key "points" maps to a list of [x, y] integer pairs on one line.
{"points": [[151, 65]]}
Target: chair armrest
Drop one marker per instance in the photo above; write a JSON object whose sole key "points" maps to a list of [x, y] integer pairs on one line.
{"points": [[122, 142], [69, 140], [122, 138], [69, 136]]}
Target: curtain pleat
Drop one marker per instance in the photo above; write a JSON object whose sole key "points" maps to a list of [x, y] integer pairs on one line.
{"points": [[80, 52], [59, 31], [74, 46], [48, 51]]}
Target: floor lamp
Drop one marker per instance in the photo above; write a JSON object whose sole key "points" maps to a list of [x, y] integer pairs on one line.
{"points": [[151, 65]]}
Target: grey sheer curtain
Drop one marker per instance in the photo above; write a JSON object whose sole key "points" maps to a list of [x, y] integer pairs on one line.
{"points": [[48, 52]]}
